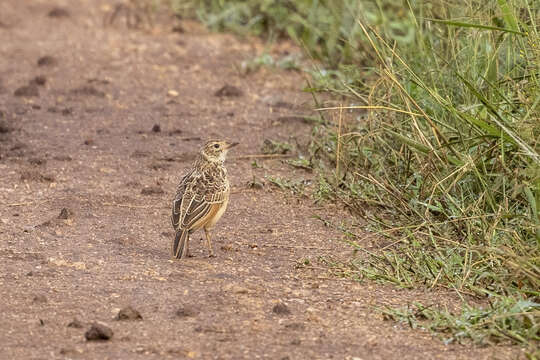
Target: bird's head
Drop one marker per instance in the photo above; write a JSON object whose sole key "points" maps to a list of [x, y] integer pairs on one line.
{"points": [[216, 150]]}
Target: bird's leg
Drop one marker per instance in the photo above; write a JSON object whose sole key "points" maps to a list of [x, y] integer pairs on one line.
{"points": [[188, 254], [209, 243]]}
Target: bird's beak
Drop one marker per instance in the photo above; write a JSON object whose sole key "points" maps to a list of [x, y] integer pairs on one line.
{"points": [[230, 145]]}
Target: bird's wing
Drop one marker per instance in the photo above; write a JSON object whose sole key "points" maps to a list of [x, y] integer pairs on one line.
{"points": [[194, 198]]}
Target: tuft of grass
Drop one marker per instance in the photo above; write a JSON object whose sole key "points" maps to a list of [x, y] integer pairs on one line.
{"points": [[275, 147], [297, 186], [499, 320], [437, 145]]}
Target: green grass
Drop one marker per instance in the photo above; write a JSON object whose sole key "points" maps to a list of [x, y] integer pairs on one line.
{"points": [[438, 148]]}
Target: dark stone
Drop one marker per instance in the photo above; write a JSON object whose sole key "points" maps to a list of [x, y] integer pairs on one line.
{"points": [[39, 80], [27, 91], [128, 313], [281, 309], [65, 213], [186, 311], [76, 324], [229, 91], [47, 61], [58, 12], [40, 299], [98, 332]]}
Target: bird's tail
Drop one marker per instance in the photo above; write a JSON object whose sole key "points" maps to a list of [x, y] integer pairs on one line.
{"points": [[180, 244]]}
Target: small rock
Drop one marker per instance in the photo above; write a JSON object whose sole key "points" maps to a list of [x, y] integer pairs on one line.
{"points": [[76, 324], [65, 214], [41, 299], [178, 29], [89, 142], [98, 332], [173, 93], [128, 313], [156, 128], [58, 13], [67, 111], [281, 309], [36, 161], [186, 311], [46, 61], [27, 90], [39, 80], [229, 91], [4, 127]]}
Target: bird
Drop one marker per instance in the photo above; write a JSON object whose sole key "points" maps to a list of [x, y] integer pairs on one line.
{"points": [[201, 197]]}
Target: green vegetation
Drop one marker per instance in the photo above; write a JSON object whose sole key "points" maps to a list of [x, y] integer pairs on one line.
{"points": [[438, 147]]}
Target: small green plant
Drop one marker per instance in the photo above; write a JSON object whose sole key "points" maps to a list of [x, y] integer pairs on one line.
{"points": [[297, 187], [287, 62], [275, 147]]}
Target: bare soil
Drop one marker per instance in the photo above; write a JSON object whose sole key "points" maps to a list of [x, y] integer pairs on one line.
{"points": [[97, 124]]}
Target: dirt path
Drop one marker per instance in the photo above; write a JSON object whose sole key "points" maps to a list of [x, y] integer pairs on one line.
{"points": [[86, 143]]}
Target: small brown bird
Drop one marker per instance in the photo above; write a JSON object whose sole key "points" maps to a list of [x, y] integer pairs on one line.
{"points": [[201, 197]]}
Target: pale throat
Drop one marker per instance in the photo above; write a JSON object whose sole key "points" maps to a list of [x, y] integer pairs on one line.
{"points": [[216, 159]]}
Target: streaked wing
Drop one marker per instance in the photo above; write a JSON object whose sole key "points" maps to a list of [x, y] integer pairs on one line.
{"points": [[177, 202], [194, 200]]}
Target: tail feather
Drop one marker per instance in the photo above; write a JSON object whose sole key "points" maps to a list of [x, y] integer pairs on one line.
{"points": [[180, 244]]}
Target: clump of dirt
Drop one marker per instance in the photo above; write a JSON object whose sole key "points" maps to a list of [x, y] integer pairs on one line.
{"points": [[281, 309], [98, 332], [58, 12], [65, 214], [128, 313], [76, 324], [37, 161], [4, 126], [229, 91], [186, 311], [27, 91], [47, 60], [39, 80], [39, 299]]}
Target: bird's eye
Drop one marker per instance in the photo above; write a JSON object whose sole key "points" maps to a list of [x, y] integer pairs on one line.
{"points": [[216, 146]]}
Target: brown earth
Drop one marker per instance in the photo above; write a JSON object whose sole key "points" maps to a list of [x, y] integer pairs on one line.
{"points": [[97, 124]]}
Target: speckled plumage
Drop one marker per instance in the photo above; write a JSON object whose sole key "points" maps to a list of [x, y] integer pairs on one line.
{"points": [[201, 197]]}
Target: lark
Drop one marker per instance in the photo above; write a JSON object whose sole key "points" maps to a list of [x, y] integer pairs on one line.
{"points": [[201, 197]]}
